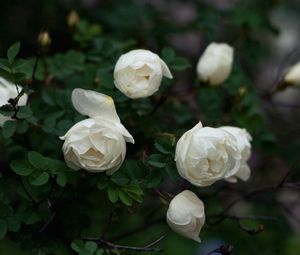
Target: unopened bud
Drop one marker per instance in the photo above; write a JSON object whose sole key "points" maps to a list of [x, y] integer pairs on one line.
{"points": [[73, 19], [242, 91], [44, 40]]}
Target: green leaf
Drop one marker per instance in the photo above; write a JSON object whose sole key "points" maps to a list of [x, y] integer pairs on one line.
{"points": [[7, 110], [91, 246], [157, 160], [37, 160], [125, 198], [61, 179], [13, 51], [102, 184], [13, 224], [24, 112], [99, 252], [40, 179], [77, 245], [133, 189], [9, 128], [3, 228], [136, 197], [180, 64], [120, 179], [21, 167], [168, 54], [113, 193]]}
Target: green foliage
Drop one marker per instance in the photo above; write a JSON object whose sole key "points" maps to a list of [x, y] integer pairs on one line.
{"points": [[86, 248], [44, 204]]}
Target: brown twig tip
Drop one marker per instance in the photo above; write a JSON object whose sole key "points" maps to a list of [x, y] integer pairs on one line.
{"points": [[225, 249]]}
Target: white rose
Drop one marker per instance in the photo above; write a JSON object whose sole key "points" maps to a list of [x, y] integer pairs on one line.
{"points": [[243, 139], [96, 144], [138, 73], [206, 155], [215, 64], [293, 75], [8, 90], [186, 215]]}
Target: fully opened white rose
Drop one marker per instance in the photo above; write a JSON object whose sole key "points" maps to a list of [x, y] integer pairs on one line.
{"points": [[243, 139], [215, 64], [186, 215], [96, 144], [8, 90], [293, 75], [139, 73], [205, 155]]}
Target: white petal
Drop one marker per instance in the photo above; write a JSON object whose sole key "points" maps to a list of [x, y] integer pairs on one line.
{"points": [[94, 104], [165, 70]]}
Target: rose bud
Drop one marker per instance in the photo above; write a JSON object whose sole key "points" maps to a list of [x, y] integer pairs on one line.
{"points": [[139, 73], [186, 215], [215, 64]]}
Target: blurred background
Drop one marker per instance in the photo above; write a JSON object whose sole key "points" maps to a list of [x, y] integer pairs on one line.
{"points": [[265, 35]]}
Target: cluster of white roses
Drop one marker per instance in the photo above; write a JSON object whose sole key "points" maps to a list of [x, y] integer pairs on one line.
{"points": [[204, 155]]}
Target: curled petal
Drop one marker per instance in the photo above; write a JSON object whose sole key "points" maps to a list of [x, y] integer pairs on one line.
{"points": [[94, 104]]}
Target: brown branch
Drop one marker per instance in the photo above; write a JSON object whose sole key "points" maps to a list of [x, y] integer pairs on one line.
{"points": [[116, 247], [219, 217], [139, 229]]}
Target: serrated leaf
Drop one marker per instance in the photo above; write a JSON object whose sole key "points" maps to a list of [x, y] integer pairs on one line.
{"points": [[136, 197], [125, 198], [13, 51], [133, 189], [3, 228], [40, 179], [24, 112], [21, 167], [9, 128]]}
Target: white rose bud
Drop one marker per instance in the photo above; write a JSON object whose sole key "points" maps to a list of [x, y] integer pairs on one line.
{"points": [[206, 155], [186, 215], [8, 90], [215, 64], [243, 139], [293, 75], [138, 73], [96, 144]]}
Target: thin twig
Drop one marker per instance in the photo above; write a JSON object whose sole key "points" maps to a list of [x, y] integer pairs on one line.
{"points": [[139, 229], [111, 246], [27, 193]]}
